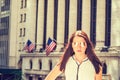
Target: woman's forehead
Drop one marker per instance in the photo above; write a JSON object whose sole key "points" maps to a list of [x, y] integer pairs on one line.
{"points": [[78, 38]]}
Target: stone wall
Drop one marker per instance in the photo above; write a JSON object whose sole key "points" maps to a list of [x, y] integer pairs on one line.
{"points": [[38, 65]]}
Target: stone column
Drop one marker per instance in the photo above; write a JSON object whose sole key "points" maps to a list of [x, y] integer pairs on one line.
{"points": [[40, 25], [35, 63], [50, 19], [45, 64], [86, 16], [60, 24], [115, 24], [72, 16], [26, 63], [31, 20], [100, 23]]}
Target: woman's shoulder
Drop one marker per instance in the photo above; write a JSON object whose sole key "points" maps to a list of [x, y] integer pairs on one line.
{"points": [[70, 60]]}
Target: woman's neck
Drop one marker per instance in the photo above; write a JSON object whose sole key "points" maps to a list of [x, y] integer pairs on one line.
{"points": [[80, 57]]}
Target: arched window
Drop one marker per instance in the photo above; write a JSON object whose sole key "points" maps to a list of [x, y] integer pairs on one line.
{"points": [[40, 64], [30, 78], [104, 66], [40, 78], [50, 64], [31, 63]]}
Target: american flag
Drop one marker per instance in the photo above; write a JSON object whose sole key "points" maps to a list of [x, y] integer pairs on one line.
{"points": [[50, 46], [29, 46]]}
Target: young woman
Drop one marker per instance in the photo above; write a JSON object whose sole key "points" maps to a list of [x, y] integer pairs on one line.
{"points": [[79, 61]]}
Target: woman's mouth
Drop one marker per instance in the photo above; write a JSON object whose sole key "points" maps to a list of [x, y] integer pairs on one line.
{"points": [[78, 50]]}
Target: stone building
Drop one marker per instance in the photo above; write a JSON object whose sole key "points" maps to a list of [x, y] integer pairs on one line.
{"points": [[36, 66], [37, 20]]}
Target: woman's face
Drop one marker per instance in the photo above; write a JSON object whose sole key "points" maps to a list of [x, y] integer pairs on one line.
{"points": [[79, 45]]}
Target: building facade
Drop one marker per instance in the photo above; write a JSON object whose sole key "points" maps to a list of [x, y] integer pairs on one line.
{"points": [[37, 20], [4, 33], [37, 66]]}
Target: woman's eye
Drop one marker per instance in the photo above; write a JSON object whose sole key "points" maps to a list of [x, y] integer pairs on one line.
{"points": [[82, 44], [75, 43]]}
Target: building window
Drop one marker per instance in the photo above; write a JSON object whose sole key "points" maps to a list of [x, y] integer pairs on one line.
{"points": [[21, 17], [40, 64], [104, 67], [24, 17], [30, 78], [31, 64], [40, 78], [23, 4], [20, 32], [4, 52], [3, 32], [4, 22], [5, 5], [24, 30], [50, 64]]}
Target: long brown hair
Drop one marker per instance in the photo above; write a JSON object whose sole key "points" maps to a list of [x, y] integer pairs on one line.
{"points": [[89, 51]]}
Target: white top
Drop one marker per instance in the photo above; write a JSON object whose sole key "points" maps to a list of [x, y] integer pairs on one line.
{"points": [[77, 71]]}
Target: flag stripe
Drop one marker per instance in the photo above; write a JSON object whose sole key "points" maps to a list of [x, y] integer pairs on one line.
{"points": [[29, 46], [50, 46]]}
